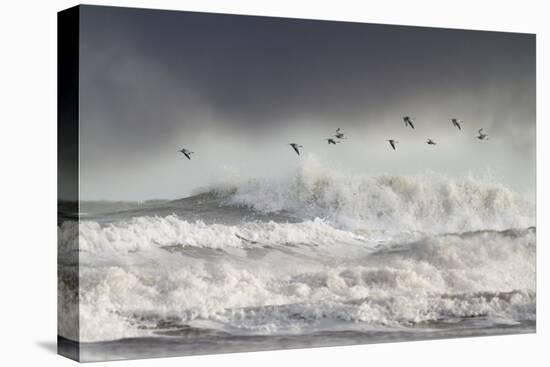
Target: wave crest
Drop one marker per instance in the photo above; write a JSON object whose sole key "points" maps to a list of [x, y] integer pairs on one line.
{"points": [[147, 233], [427, 203], [485, 275]]}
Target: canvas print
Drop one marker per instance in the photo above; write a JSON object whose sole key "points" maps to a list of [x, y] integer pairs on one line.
{"points": [[234, 183]]}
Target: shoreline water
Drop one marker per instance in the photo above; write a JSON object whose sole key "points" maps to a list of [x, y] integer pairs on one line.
{"points": [[199, 342]]}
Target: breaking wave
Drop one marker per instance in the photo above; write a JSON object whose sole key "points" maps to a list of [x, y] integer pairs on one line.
{"points": [[428, 203], [488, 275], [311, 252], [149, 233]]}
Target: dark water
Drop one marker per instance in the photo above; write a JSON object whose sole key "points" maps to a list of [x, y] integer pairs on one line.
{"points": [[198, 342]]}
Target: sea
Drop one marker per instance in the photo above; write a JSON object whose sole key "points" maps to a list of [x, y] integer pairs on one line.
{"points": [[312, 259]]}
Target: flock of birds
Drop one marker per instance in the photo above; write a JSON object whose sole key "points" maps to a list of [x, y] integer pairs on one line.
{"points": [[456, 122], [339, 136]]}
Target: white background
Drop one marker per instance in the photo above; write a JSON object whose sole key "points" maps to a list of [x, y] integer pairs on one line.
{"points": [[28, 181]]}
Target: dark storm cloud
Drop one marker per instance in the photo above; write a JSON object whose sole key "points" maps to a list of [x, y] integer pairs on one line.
{"points": [[151, 78], [255, 70]]}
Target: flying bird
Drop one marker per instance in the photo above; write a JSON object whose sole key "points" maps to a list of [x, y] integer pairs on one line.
{"points": [[457, 122], [186, 153], [481, 135], [332, 141], [392, 143], [408, 121], [296, 147], [339, 134], [431, 142]]}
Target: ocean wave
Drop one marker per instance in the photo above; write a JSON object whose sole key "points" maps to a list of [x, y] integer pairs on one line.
{"points": [[486, 274], [329, 251], [429, 202], [149, 233]]}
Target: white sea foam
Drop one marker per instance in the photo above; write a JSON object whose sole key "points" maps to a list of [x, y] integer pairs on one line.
{"points": [[148, 233], [427, 203], [489, 274], [384, 251]]}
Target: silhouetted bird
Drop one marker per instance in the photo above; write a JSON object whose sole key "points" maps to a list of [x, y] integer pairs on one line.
{"points": [[296, 147], [186, 153], [392, 143], [408, 121], [332, 141], [482, 136], [457, 123], [431, 142], [339, 134]]}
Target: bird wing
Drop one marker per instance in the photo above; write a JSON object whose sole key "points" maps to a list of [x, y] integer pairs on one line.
{"points": [[480, 130], [187, 155], [295, 149], [410, 123], [392, 145]]}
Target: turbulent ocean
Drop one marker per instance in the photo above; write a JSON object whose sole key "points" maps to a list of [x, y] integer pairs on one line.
{"points": [[312, 259]]}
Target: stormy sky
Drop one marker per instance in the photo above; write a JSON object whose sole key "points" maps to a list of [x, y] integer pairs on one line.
{"points": [[237, 89]]}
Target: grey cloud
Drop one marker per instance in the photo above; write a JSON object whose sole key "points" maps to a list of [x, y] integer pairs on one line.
{"points": [[155, 80]]}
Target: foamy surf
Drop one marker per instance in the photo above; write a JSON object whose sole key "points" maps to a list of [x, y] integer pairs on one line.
{"points": [[485, 274], [427, 202], [312, 253]]}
